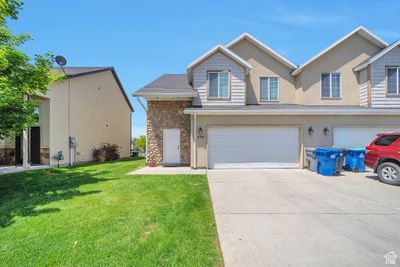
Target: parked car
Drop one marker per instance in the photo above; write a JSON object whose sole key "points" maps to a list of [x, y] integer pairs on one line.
{"points": [[383, 156]]}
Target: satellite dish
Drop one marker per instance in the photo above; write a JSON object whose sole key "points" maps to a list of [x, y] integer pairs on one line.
{"points": [[61, 61]]}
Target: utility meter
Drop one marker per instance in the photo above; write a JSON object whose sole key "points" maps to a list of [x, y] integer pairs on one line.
{"points": [[72, 142]]}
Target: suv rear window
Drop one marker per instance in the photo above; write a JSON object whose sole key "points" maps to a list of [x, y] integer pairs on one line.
{"points": [[386, 140]]}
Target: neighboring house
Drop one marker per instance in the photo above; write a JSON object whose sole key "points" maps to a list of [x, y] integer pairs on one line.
{"points": [[90, 105], [246, 105]]}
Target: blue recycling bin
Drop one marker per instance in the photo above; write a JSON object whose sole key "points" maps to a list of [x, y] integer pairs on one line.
{"points": [[354, 160], [329, 161]]}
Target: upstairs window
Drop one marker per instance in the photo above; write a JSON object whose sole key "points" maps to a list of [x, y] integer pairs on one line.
{"points": [[393, 78], [218, 84], [331, 84], [269, 89]]}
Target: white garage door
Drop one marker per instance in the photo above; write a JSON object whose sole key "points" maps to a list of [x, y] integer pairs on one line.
{"points": [[353, 137], [253, 147]]}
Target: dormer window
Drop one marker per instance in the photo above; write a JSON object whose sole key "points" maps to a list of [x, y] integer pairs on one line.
{"points": [[331, 85], [393, 78], [218, 84]]}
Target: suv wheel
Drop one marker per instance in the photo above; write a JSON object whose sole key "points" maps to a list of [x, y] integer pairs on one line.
{"points": [[389, 173]]}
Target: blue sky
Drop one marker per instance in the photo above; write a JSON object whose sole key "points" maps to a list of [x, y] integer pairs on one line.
{"points": [[144, 39]]}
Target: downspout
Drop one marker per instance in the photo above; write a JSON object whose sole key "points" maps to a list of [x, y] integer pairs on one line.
{"points": [[25, 144], [144, 108], [195, 142], [69, 122], [130, 134]]}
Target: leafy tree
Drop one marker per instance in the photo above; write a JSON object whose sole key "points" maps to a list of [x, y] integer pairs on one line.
{"points": [[19, 75], [141, 143]]}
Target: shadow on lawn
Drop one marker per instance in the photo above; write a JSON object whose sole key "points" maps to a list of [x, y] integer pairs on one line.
{"points": [[22, 193]]}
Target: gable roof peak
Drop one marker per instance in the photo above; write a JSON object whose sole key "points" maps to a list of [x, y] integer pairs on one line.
{"points": [[264, 48], [377, 56], [361, 30], [218, 48]]}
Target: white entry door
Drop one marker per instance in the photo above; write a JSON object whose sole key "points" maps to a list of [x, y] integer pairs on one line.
{"points": [[171, 147], [357, 137], [253, 147]]}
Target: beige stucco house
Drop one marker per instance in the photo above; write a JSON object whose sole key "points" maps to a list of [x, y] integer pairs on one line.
{"points": [[90, 106], [245, 105]]}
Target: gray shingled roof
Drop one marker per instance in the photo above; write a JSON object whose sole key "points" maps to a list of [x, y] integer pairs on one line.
{"points": [[275, 106], [79, 71], [168, 85]]}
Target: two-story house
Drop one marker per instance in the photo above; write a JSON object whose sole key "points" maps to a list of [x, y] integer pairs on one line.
{"points": [[84, 111], [245, 105]]}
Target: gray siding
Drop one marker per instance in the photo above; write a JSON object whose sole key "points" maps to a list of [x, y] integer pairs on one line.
{"points": [[219, 61], [379, 99], [363, 81]]}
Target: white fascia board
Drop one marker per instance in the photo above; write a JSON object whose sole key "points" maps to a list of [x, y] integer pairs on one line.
{"points": [[361, 30], [264, 48], [191, 94], [310, 112], [377, 56], [225, 51]]}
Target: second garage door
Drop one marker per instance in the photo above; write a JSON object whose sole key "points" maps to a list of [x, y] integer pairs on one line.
{"points": [[357, 137], [253, 147]]}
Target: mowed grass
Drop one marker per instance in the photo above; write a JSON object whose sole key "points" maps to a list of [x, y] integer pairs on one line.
{"points": [[98, 215]]}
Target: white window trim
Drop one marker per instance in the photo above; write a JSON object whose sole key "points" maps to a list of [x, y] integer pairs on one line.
{"points": [[330, 86], [397, 78], [208, 85], [269, 89]]}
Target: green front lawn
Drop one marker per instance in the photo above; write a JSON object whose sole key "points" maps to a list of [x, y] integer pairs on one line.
{"points": [[97, 215]]}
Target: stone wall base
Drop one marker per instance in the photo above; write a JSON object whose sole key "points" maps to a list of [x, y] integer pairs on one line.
{"points": [[44, 156], [7, 156], [167, 115]]}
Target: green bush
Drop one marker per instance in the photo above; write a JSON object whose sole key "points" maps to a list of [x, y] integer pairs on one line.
{"points": [[106, 152]]}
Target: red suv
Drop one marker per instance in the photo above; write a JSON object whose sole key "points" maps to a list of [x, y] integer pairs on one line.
{"points": [[383, 155]]}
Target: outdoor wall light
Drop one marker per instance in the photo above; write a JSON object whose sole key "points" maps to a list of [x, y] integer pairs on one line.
{"points": [[310, 130], [326, 131], [200, 133]]}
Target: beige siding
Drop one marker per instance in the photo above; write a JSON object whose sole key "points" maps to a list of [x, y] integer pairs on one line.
{"points": [[263, 65], [99, 114], [343, 58], [379, 98], [363, 81], [318, 123], [220, 62]]}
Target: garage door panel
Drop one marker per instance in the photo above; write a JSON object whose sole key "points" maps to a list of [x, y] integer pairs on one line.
{"points": [[355, 137], [253, 147]]}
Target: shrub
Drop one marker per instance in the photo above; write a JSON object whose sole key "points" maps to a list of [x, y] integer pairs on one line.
{"points": [[106, 152]]}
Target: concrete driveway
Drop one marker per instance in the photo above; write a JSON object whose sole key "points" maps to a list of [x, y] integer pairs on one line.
{"points": [[298, 218]]}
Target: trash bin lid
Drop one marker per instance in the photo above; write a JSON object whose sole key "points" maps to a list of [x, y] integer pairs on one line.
{"points": [[356, 149]]}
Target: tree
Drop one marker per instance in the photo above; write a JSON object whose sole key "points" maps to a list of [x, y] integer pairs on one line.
{"points": [[141, 143], [19, 75]]}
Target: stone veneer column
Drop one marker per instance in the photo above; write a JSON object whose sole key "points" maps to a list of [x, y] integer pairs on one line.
{"points": [[167, 115]]}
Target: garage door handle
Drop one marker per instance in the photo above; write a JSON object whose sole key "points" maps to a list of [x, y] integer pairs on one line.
{"points": [[179, 147]]}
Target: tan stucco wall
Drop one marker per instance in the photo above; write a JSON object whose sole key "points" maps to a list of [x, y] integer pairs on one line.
{"points": [[318, 123], [343, 58], [264, 65], [99, 114]]}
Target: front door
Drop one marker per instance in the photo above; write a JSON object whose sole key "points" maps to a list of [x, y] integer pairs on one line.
{"points": [[171, 140], [35, 145], [18, 150]]}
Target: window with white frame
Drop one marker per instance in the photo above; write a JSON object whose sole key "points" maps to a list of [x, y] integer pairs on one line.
{"points": [[218, 84], [269, 89], [331, 84], [393, 79]]}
